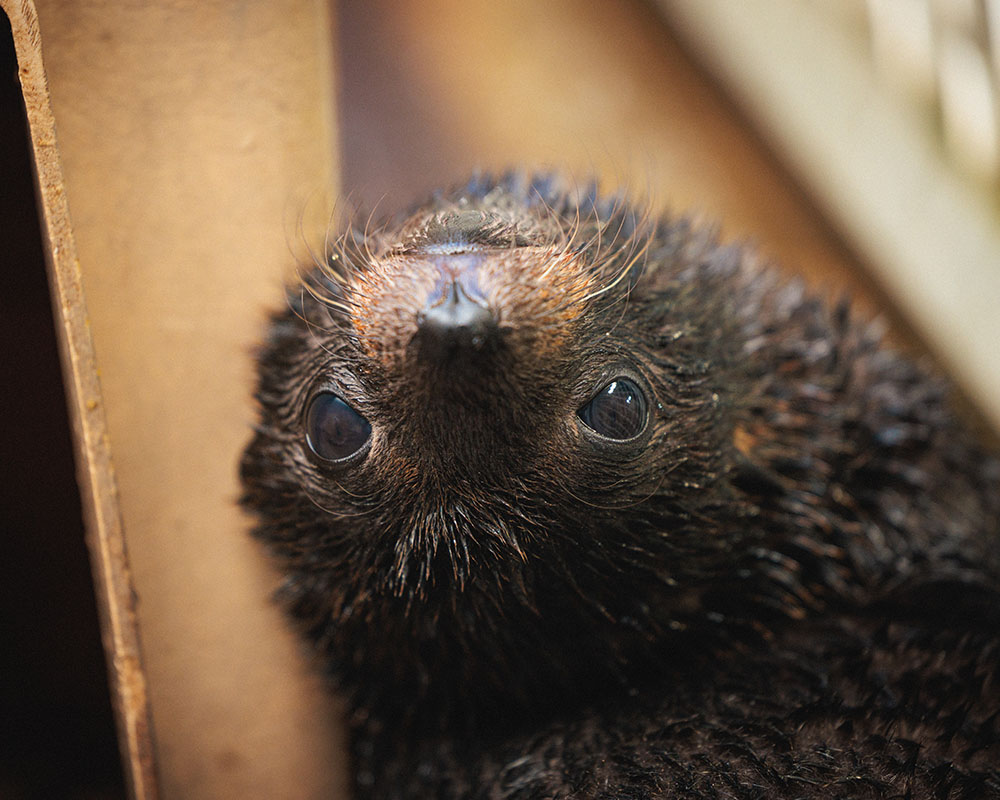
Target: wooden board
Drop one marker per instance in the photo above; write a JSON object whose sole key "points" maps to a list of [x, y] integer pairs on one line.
{"points": [[175, 137], [432, 89]]}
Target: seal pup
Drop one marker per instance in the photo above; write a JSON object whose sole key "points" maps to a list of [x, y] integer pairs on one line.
{"points": [[578, 503]]}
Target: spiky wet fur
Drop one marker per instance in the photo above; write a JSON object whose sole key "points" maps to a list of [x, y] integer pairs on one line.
{"points": [[787, 586]]}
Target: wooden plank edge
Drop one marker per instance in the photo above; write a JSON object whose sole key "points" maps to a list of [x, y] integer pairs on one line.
{"points": [[116, 597]]}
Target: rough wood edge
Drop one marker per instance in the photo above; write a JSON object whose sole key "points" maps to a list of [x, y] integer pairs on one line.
{"points": [[95, 472]]}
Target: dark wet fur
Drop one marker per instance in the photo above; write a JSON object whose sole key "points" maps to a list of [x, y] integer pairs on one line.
{"points": [[788, 586]]}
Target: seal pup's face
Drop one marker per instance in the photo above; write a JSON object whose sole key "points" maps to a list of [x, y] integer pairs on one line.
{"points": [[490, 447]]}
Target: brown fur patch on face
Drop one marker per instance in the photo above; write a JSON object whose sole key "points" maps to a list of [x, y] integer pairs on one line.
{"points": [[534, 309]]}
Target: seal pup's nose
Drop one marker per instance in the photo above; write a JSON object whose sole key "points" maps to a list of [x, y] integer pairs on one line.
{"points": [[454, 323]]}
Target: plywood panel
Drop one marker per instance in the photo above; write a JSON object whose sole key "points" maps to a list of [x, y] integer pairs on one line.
{"points": [[432, 89], [185, 132]]}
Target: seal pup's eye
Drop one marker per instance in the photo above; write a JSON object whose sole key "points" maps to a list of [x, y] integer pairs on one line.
{"points": [[619, 411], [334, 430]]}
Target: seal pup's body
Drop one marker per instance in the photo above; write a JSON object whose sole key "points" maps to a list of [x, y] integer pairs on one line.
{"points": [[578, 503]]}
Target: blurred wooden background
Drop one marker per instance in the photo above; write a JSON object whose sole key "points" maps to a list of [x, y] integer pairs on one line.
{"points": [[192, 137]]}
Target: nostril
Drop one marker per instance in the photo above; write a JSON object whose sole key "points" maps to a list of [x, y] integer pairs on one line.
{"points": [[453, 323]]}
